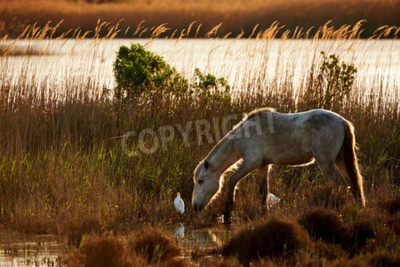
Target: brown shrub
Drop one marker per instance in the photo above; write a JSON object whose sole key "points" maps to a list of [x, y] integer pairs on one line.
{"points": [[231, 262], [394, 223], [327, 251], [99, 251], [152, 245], [384, 258], [173, 263], [149, 246], [358, 235], [393, 204], [323, 224], [80, 227], [275, 238], [392, 207]]}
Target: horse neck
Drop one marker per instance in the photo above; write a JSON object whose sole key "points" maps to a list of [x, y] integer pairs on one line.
{"points": [[222, 156]]}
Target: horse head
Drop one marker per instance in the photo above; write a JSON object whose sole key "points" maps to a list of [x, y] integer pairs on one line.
{"points": [[206, 185]]}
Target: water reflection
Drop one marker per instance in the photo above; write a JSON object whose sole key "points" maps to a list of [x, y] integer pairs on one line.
{"points": [[27, 250], [201, 238], [180, 231], [18, 249]]}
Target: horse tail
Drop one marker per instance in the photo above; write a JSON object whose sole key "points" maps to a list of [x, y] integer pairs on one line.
{"points": [[349, 149]]}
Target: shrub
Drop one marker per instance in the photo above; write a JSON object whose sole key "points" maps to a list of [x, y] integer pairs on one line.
{"points": [[79, 229], [384, 259], [153, 246], [358, 235], [323, 224], [138, 71], [142, 248], [99, 251], [211, 87], [231, 262], [332, 84], [392, 207], [276, 238], [393, 204]]}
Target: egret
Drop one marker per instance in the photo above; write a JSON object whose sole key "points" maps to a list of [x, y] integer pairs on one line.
{"points": [[179, 204], [272, 200]]}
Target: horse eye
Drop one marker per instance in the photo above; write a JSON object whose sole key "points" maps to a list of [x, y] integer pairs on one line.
{"points": [[200, 181]]}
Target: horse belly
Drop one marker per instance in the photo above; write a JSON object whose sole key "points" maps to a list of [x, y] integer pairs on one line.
{"points": [[292, 158], [296, 153]]}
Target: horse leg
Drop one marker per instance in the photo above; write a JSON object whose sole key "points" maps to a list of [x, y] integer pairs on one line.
{"points": [[329, 172], [245, 168], [263, 182]]}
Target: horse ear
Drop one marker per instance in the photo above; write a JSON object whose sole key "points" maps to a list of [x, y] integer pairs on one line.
{"points": [[206, 164]]}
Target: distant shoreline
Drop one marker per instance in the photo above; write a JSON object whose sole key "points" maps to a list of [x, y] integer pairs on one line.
{"points": [[201, 20]]}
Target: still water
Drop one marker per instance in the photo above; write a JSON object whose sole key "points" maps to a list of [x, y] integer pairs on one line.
{"points": [[56, 66], [22, 250], [18, 249]]}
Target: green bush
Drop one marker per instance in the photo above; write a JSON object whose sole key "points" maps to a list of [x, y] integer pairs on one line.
{"points": [[335, 80], [139, 71], [332, 83], [211, 87]]}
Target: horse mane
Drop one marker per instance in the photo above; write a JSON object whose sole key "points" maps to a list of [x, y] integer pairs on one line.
{"points": [[258, 111]]}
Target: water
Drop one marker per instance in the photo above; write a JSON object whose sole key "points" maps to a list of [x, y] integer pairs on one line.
{"points": [[18, 249], [56, 66], [22, 250], [200, 238]]}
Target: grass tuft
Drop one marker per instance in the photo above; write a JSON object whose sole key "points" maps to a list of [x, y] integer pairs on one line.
{"points": [[274, 238], [323, 224], [153, 246], [146, 247], [384, 259], [101, 251]]}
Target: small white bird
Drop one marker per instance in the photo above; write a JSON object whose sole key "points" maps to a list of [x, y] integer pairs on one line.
{"points": [[179, 204], [272, 200]]}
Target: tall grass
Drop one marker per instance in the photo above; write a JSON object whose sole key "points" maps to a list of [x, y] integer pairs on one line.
{"points": [[62, 169]]}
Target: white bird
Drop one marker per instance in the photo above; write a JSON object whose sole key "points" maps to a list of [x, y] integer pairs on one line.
{"points": [[179, 204], [272, 200]]}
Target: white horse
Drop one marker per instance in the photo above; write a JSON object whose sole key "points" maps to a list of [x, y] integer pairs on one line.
{"points": [[266, 137]]}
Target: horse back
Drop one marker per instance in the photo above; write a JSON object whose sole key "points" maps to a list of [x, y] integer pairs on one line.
{"points": [[290, 138]]}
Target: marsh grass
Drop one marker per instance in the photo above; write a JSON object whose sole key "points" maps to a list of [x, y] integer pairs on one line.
{"points": [[63, 170], [145, 247], [324, 224], [274, 238]]}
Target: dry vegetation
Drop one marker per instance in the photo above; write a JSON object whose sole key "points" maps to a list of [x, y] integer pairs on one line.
{"points": [[236, 16], [62, 173]]}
